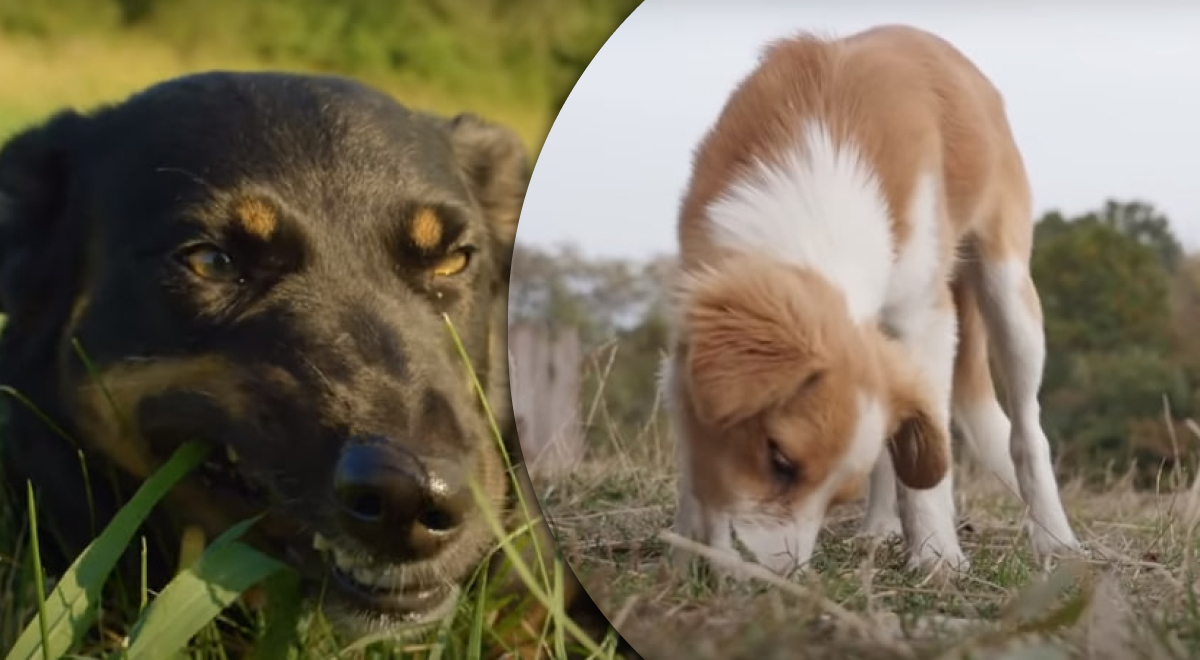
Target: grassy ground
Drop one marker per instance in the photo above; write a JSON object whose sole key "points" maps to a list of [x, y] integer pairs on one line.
{"points": [[1135, 597], [200, 614]]}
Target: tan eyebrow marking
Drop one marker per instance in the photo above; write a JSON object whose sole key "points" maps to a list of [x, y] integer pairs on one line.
{"points": [[426, 229], [257, 217]]}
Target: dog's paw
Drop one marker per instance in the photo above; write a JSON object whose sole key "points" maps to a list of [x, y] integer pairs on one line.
{"points": [[1049, 547], [938, 564]]}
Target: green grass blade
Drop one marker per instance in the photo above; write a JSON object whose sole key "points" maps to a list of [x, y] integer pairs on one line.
{"points": [[559, 612], [478, 622], [87, 490], [199, 593], [144, 586], [39, 577], [23, 400], [517, 563], [281, 637], [511, 469], [71, 607]]}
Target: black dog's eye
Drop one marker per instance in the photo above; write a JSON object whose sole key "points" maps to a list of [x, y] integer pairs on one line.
{"points": [[783, 469], [211, 263], [454, 263]]}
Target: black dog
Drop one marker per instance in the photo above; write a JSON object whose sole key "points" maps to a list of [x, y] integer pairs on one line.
{"points": [[262, 262]]}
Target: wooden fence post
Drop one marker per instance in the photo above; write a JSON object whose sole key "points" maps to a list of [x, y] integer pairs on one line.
{"points": [[544, 379]]}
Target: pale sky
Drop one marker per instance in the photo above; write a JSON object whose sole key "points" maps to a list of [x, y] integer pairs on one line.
{"points": [[1104, 98]]}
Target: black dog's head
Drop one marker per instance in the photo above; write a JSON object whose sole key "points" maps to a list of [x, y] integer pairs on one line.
{"points": [[262, 262]]}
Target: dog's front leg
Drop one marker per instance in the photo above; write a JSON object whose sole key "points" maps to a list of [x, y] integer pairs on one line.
{"points": [[882, 519], [929, 335]]}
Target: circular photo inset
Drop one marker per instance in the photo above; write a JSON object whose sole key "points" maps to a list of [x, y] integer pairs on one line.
{"points": [[865, 331]]}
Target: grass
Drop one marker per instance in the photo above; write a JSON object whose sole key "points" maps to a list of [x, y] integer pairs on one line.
{"points": [[83, 71], [1134, 597], [189, 617]]}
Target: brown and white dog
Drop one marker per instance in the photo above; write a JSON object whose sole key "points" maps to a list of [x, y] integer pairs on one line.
{"points": [[859, 203]]}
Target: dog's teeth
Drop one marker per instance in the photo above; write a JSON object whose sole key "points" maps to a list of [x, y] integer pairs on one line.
{"points": [[390, 580], [321, 543], [359, 567], [366, 576], [344, 560], [385, 579], [231, 454]]}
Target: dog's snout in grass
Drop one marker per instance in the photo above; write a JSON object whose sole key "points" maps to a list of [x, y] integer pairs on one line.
{"points": [[189, 614]]}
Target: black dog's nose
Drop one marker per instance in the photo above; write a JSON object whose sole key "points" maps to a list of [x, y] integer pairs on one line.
{"points": [[399, 505]]}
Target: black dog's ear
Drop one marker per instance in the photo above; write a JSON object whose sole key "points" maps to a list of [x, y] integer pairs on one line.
{"points": [[496, 167], [33, 189]]}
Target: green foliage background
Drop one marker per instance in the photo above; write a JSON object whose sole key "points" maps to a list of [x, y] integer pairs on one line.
{"points": [[1122, 313], [513, 58]]}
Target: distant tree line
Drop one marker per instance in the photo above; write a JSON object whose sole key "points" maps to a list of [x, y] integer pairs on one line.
{"points": [[1122, 313], [516, 49], [1122, 307]]}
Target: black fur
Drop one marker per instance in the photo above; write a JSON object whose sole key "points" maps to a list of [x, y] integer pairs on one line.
{"points": [[321, 331]]}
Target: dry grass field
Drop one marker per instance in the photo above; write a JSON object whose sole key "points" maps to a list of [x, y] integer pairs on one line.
{"points": [[1134, 597]]}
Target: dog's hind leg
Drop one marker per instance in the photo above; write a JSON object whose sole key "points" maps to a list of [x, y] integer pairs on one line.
{"points": [[976, 411], [1012, 312]]}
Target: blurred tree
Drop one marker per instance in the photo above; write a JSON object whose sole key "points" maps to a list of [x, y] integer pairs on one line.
{"points": [[515, 50], [1109, 407], [1113, 289], [630, 386], [1141, 222], [1121, 302], [1185, 317], [1101, 288], [573, 55], [597, 296]]}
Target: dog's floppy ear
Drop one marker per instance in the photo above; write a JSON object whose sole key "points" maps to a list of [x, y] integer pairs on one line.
{"points": [[919, 445], [920, 449], [751, 340], [496, 167], [34, 173]]}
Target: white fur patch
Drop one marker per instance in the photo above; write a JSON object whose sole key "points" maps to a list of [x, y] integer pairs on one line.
{"points": [[821, 207], [918, 260], [868, 437]]}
